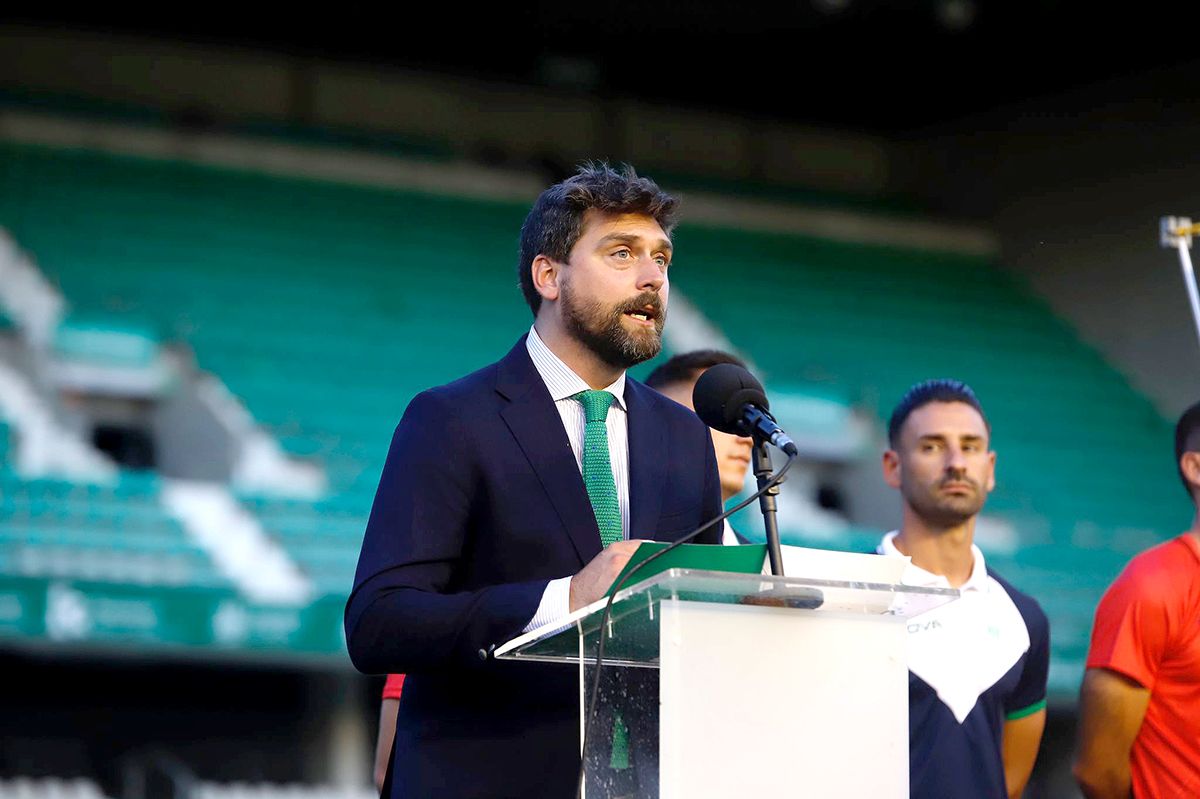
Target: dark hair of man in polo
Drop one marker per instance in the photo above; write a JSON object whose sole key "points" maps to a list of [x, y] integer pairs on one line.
{"points": [[1187, 439], [929, 391], [684, 367], [555, 222]]}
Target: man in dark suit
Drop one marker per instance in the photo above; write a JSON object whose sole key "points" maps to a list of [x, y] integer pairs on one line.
{"points": [[516, 495]]}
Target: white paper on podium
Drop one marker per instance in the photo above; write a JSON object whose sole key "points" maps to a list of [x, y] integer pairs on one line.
{"points": [[829, 564], [853, 567]]}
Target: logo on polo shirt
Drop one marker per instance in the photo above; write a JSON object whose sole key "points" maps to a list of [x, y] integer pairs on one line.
{"points": [[924, 626]]}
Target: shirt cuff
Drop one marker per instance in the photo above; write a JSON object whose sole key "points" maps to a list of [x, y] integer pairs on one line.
{"points": [[555, 604]]}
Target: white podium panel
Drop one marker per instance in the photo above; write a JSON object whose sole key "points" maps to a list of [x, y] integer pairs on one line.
{"points": [[773, 702], [723, 685]]}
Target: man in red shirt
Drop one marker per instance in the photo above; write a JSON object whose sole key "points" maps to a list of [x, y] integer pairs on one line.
{"points": [[1140, 702]]}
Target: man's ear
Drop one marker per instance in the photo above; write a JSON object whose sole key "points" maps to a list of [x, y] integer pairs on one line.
{"points": [[891, 468], [991, 484], [1189, 464], [546, 275]]}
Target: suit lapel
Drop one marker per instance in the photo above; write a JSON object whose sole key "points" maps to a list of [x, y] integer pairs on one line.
{"points": [[536, 425], [647, 461]]}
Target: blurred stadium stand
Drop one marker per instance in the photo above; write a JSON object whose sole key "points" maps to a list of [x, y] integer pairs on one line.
{"points": [[272, 791], [51, 788], [62, 529]]}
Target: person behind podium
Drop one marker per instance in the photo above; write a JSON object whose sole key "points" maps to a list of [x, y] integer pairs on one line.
{"points": [[977, 666], [516, 495], [676, 378]]}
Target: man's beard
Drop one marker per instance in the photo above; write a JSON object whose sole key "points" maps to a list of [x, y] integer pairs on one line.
{"points": [[942, 512], [602, 331]]}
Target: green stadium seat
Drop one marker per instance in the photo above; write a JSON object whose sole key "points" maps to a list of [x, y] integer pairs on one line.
{"points": [[57, 528]]}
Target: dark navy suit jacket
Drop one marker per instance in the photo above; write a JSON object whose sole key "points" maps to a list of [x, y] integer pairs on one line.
{"points": [[481, 503]]}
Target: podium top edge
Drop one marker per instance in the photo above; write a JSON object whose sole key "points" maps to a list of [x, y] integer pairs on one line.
{"points": [[731, 581], [787, 581]]}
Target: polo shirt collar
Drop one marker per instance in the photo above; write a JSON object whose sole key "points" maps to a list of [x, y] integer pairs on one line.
{"points": [[916, 576]]}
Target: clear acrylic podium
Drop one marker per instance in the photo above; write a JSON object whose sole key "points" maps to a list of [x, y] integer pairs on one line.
{"points": [[717, 684]]}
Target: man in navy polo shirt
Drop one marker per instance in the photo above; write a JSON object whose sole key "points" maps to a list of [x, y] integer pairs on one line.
{"points": [[977, 666]]}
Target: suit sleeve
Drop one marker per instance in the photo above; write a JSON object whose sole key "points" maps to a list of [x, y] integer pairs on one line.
{"points": [[713, 505], [404, 614]]}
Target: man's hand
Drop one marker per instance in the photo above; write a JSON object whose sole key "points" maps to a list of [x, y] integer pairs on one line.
{"points": [[593, 580]]}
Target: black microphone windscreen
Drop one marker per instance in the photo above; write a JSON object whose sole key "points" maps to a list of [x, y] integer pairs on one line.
{"points": [[721, 393]]}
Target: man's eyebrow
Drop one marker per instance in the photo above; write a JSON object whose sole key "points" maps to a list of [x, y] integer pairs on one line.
{"points": [[631, 239], [944, 437]]}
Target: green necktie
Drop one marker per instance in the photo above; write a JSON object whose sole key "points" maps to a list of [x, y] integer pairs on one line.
{"points": [[597, 468], [602, 491]]}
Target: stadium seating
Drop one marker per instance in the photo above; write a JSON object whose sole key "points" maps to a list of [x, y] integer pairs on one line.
{"points": [[49, 788], [53, 788], [325, 307], [212, 790], [316, 536], [119, 533]]}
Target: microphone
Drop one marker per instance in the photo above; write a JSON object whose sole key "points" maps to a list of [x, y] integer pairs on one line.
{"points": [[730, 399]]}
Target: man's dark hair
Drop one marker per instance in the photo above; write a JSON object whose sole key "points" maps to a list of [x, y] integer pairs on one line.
{"points": [[929, 391], [555, 222], [1187, 439], [682, 368]]}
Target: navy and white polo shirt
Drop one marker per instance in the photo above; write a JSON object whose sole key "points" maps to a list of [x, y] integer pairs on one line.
{"points": [[973, 664]]}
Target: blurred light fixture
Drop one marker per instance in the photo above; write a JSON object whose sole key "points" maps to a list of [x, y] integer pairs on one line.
{"points": [[956, 15]]}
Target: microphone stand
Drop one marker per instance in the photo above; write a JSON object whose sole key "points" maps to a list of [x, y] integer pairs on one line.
{"points": [[761, 461]]}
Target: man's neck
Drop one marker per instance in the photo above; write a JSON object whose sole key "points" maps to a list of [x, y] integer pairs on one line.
{"points": [[944, 551], [582, 361]]}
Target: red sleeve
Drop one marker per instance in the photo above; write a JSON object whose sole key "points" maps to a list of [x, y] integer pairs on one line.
{"points": [[1132, 625], [391, 688]]}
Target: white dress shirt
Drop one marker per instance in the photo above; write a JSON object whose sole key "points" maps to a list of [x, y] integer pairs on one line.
{"points": [[563, 383]]}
